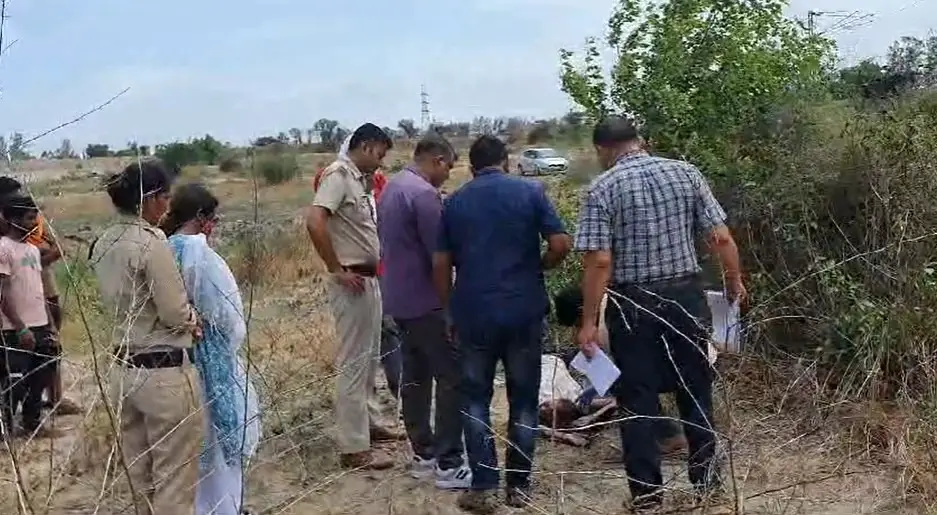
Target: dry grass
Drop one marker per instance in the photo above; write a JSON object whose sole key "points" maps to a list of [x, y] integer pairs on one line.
{"points": [[794, 448]]}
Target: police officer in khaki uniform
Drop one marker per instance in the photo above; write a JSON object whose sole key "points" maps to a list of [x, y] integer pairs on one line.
{"points": [[343, 229], [154, 387]]}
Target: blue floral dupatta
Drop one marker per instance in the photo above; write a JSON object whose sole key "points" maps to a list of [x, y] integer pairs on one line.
{"points": [[230, 398]]}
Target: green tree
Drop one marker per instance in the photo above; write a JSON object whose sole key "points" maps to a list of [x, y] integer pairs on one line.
{"points": [[408, 127], [177, 154], [330, 132], [205, 150], [266, 141], [850, 82], [209, 149], [132, 150], [483, 125], [698, 73], [543, 130], [907, 55], [19, 149], [339, 137], [98, 150], [573, 120], [914, 57], [297, 136]]}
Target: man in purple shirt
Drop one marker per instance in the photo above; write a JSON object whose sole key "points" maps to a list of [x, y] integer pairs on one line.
{"points": [[408, 223]]}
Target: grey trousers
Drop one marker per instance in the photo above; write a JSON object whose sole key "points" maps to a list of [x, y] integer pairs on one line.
{"points": [[429, 354]]}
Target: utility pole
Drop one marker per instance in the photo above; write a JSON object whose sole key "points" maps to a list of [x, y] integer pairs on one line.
{"points": [[811, 20], [425, 119]]}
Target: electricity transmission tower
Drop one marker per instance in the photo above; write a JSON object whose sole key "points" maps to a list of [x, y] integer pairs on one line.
{"points": [[425, 119]]}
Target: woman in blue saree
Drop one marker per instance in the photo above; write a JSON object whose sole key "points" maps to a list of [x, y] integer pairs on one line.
{"points": [[230, 400]]}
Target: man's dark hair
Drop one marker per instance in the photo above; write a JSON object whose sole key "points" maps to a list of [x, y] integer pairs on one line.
{"points": [[614, 130], [16, 207], [487, 151], [568, 306], [138, 181], [9, 186], [189, 201], [435, 145], [369, 133]]}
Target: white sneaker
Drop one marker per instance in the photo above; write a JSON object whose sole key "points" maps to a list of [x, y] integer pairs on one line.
{"points": [[458, 478], [421, 468]]}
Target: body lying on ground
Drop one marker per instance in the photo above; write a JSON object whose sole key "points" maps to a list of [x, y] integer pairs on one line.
{"points": [[580, 406]]}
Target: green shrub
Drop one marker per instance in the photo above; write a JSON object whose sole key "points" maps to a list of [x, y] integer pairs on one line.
{"points": [[230, 163], [206, 150], [277, 167], [838, 239]]}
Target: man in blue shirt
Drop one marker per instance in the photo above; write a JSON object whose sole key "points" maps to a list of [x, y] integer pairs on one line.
{"points": [[490, 233]]}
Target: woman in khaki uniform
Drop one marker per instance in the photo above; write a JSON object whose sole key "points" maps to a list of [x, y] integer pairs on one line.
{"points": [[154, 388]]}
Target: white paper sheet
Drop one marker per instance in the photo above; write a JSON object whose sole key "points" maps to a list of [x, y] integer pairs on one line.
{"points": [[725, 319], [600, 370]]}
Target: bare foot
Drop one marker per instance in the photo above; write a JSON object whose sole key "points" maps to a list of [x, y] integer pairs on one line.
{"points": [[386, 434], [67, 407], [44, 432], [367, 460]]}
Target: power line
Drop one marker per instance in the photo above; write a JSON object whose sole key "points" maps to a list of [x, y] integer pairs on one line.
{"points": [[845, 20]]}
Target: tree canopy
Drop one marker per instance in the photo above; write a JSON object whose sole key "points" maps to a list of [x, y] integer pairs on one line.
{"points": [[697, 73]]}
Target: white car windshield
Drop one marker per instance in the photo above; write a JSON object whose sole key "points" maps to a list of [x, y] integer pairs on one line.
{"points": [[547, 152]]}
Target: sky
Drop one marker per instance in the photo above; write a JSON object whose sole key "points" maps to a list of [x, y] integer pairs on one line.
{"points": [[239, 69]]}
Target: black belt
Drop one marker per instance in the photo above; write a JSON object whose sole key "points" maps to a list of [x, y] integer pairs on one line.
{"points": [[362, 270], [158, 359], [675, 282]]}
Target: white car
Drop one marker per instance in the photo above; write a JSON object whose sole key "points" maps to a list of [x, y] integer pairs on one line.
{"points": [[539, 161]]}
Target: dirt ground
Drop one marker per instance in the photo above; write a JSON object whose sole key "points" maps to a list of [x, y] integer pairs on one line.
{"points": [[296, 473], [781, 459]]}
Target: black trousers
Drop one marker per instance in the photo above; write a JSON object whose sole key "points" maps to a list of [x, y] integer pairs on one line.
{"points": [[659, 341], [24, 374], [429, 354]]}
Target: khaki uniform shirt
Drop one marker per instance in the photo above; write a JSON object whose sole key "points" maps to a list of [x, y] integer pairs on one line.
{"points": [[139, 280], [352, 226]]}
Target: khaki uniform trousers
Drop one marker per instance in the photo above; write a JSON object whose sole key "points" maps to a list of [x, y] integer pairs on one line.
{"points": [[161, 434], [358, 324]]}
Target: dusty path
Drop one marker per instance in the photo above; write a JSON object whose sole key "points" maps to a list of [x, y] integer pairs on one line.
{"points": [[585, 481], [568, 480]]}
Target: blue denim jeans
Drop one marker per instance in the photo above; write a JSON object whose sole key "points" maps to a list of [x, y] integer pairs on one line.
{"points": [[518, 348]]}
